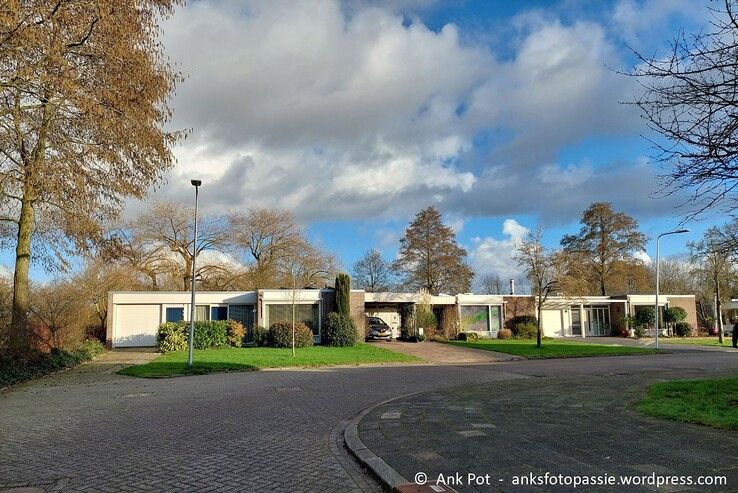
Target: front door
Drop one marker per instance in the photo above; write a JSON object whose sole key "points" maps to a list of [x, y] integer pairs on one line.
{"points": [[576, 321]]}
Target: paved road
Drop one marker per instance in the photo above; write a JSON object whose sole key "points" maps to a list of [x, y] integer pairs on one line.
{"points": [[557, 424], [254, 431]]}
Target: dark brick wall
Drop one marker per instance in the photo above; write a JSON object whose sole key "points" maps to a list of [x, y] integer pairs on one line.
{"points": [[617, 313], [690, 305], [356, 301], [518, 305]]}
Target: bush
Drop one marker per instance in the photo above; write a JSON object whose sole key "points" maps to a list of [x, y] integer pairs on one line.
{"points": [[639, 331], [504, 334], [172, 336], [236, 332], [682, 329], [468, 336], [521, 319], [259, 336], [211, 334], [525, 331], [424, 316], [90, 348], [339, 330], [40, 364], [280, 334]]}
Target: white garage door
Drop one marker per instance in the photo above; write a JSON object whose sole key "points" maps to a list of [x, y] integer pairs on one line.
{"points": [[553, 325], [136, 325]]}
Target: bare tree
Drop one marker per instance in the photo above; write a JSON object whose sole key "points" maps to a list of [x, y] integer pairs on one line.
{"points": [[493, 284], [714, 261], [372, 272], [84, 89], [274, 243], [127, 246], [169, 226], [689, 97], [543, 268]]}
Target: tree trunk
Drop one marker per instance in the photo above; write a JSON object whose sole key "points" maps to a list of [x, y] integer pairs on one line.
{"points": [[540, 322], [718, 310], [20, 337]]}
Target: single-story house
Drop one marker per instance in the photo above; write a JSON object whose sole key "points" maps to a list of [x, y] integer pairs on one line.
{"points": [[133, 317]]}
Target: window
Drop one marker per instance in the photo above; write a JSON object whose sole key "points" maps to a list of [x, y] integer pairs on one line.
{"points": [[201, 313], [174, 314], [307, 313], [218, 313], [599, 320], [475, 318], [243, 314], [576, 321], [494, 320]]}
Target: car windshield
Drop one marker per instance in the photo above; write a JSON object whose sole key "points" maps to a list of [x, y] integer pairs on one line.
{"points": [[376, 321]]}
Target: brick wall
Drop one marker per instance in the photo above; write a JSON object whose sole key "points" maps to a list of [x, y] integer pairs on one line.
{"points": [[356, 302], [689, 304], [617, 313], [518, 305]]}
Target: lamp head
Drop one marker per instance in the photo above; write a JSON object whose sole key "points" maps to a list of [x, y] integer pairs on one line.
{"points": [[196, 183]]}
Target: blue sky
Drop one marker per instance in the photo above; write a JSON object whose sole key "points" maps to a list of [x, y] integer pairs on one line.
{"points": [[356, 114]]}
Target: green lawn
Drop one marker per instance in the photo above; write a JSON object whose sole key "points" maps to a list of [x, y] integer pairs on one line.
{"points": [[711, 402], [552, 348], [244, 359], [700, 341]]}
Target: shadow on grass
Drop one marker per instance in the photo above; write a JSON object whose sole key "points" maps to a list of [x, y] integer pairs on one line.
{"points": [[176, 369]]}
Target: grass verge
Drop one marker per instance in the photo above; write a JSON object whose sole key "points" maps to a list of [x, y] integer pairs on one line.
{"points": [[245, 359], [699, 341], [712, 402], [552, 348]]}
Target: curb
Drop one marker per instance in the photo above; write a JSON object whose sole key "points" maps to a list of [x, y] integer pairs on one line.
{"points": [[391, 479]]}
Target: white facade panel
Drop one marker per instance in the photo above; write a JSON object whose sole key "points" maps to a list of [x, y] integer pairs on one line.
{"points": [[136, 325], [553, 323]]}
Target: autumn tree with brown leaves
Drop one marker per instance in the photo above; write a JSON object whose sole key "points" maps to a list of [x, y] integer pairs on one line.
{"points": [[430, 257], [84, 97], [605, 240]]}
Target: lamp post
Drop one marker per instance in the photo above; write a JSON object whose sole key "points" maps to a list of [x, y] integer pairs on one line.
{"points": [[191, 341], [656, 307]]}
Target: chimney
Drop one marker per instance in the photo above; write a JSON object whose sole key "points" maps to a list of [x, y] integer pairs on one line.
{"points": [[512, 286]]}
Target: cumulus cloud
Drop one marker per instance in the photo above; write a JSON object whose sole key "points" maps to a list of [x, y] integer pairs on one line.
{"points": [[5, 272], [350, 110], [490, 255]]}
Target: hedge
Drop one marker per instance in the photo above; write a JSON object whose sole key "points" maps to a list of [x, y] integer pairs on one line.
{"points": [[173, 336], [13, 371]]}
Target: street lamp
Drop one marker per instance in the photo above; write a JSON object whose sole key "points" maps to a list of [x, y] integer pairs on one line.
{"points": [[196, 184], [679, 231]]}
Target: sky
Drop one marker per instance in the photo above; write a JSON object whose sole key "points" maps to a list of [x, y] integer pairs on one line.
{"points": [[356, 114]]}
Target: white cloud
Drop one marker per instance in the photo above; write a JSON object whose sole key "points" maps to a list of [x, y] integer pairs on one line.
{"points": [[494, 256], [348, 114], [5, 272], [642, 256]]}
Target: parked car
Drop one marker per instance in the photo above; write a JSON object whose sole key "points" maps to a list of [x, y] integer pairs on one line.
{"points": [[378, 330]]}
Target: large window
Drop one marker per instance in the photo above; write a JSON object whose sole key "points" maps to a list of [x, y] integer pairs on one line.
{"points": [[480, 318], [307, 313], [243, 314], [599, 320]]}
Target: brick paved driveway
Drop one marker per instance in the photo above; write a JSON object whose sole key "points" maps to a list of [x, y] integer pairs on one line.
{"points": [[255, 431]]}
